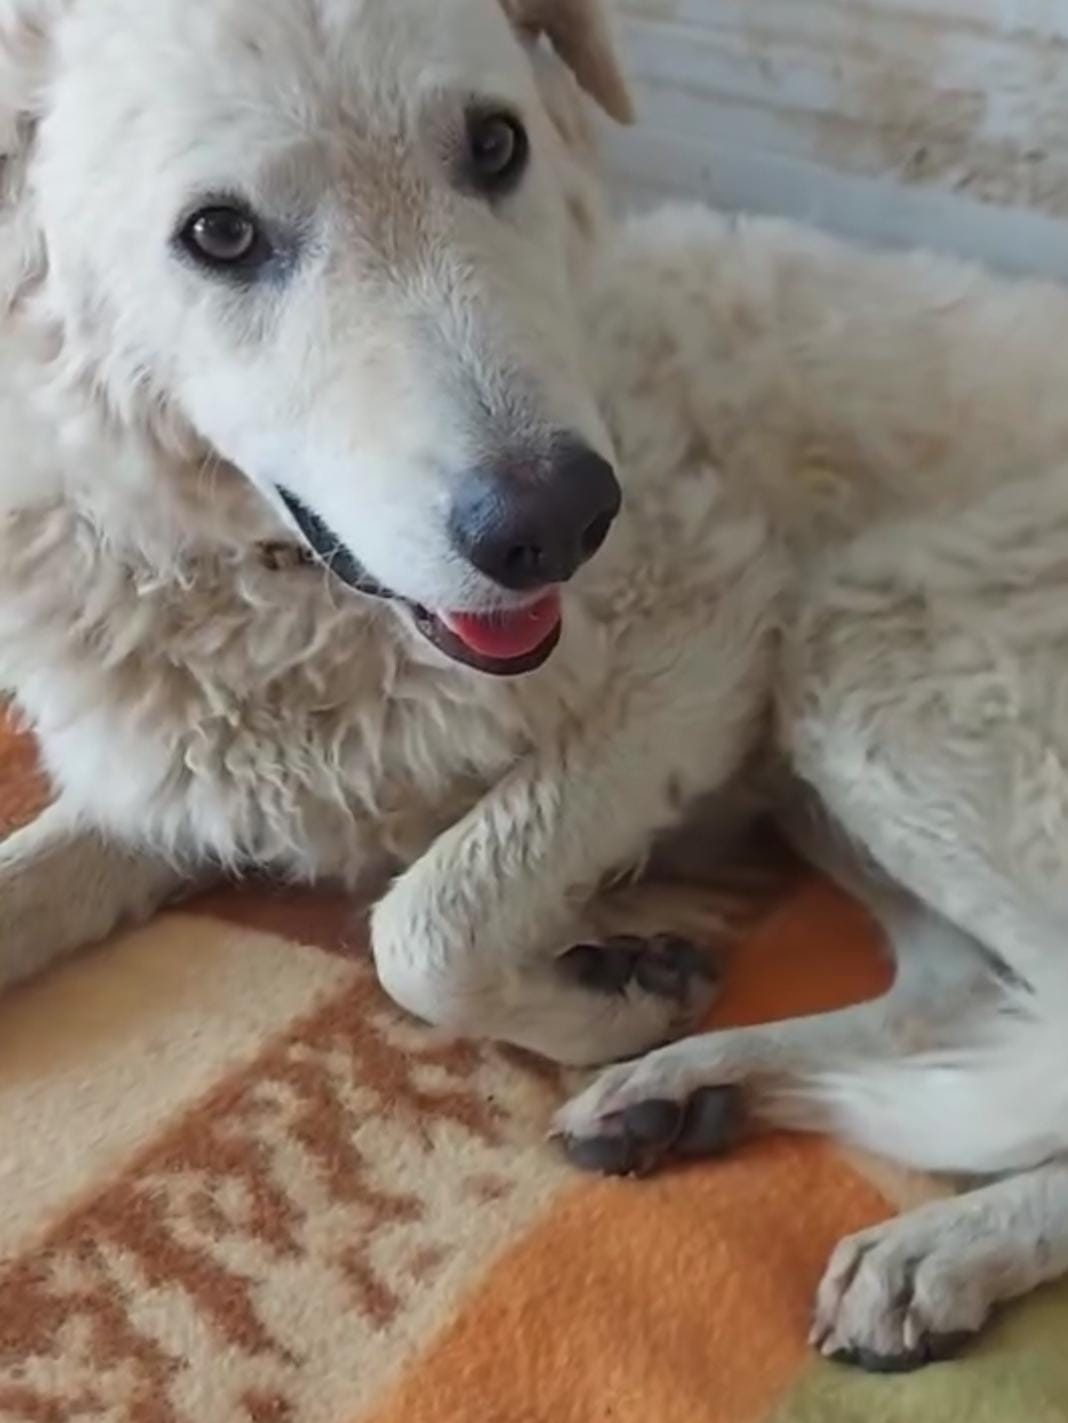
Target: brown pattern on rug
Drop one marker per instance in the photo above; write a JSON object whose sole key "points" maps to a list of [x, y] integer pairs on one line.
{"points": [[324, 917], [351, 1159], [23, 787]]}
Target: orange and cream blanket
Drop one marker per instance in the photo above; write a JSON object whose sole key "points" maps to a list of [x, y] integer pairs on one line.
{"points": [[237, 1187]]}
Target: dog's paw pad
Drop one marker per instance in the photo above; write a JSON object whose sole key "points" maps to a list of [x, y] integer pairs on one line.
{"points": [[641, 1137], [670, 967], [611, 1154], [710, 1123], [606, 967], [931, 1349], [664, 965], [629, 1143]]}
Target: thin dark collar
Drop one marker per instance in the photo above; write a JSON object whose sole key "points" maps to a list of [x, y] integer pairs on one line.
{"points": [[280, 556]]}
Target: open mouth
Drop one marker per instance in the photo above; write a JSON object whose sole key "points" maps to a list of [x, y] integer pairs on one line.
{"points": [[502, 643]]}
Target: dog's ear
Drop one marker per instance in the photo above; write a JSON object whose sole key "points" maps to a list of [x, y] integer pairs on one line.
{"points": [[26, 28], [580, 33]]}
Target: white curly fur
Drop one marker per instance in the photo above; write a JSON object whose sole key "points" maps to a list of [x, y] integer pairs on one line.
{"points": [[844, 514]]}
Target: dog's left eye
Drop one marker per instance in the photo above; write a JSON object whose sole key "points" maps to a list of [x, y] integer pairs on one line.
{"points": [[497, 152], [224, 238]]}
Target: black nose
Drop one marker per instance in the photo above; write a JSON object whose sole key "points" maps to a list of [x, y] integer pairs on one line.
{"points": [[528, 525]]}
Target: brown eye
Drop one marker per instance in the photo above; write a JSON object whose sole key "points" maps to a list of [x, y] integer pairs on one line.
{"points": [[224, 237], [497, 148]]}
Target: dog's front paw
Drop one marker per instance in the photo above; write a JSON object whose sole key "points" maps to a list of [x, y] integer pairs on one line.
{"points": [[905, 1293], [638, 1115]]}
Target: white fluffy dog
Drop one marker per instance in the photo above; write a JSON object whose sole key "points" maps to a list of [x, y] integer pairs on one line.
{"points": [[300, 294]]}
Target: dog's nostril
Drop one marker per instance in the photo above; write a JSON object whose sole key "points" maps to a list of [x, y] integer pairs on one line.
{"points": [[524, 560], [595, 534]]}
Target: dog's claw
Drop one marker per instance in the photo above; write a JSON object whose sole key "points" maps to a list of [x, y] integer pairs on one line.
{"points": [[932, 1349]]}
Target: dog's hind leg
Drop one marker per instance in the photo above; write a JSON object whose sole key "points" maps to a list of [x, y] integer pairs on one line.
{"points": [[923, 702], [923, 699], [62, 887], [926, 706]]}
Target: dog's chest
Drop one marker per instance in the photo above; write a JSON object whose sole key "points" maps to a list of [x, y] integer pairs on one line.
{"points": [[256, 711], [333, 742]]}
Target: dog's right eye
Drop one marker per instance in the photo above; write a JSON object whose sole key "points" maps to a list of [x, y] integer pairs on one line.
{"points": [[224, 239], [497, 152]]}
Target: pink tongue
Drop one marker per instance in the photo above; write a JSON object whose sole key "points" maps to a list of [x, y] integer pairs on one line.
{"points": [[506, 634]]}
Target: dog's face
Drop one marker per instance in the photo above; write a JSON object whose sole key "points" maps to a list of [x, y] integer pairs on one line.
{"points": [[336, 240]]}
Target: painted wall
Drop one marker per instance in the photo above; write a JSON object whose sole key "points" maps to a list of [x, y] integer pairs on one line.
{"points": [[937, 122]]}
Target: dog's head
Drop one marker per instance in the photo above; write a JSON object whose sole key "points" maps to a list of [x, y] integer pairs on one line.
{"points": [[337, 243]]}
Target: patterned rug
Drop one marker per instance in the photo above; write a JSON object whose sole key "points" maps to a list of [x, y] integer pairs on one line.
{"points": [[239, 1188]]}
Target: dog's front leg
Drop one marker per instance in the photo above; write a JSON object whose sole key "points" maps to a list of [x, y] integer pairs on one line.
{"points": [[63, 886], [486, 934]]}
